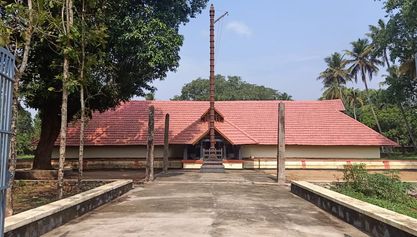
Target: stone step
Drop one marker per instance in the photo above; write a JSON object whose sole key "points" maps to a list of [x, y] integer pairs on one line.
{"points": [[212, 166], [212, 169], [213, 162]]}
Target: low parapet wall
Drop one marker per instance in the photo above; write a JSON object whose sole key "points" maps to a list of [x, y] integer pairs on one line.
{"points": [[372, 219], [249, 163], [41, 220], [331, 164]]}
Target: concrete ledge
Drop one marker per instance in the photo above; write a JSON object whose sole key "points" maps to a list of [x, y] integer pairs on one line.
{"points": [[332, 164], [228, 164], [372, 219], [38, 221], [249, 163]]}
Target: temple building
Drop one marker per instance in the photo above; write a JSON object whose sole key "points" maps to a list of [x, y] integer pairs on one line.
{"points": [[223, 134], [245, 134]]}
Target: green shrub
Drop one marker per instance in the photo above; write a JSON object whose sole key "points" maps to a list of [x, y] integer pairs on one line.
{"points": [[385, 190]]}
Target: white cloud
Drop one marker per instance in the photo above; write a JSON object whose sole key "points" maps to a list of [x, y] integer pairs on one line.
{"points": [[239, 28]]}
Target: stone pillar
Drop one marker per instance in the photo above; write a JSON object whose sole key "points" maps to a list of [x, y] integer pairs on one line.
{"points": [[281, 144]]}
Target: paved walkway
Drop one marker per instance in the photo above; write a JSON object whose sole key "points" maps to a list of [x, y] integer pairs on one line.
{"points": [[239, 203]]}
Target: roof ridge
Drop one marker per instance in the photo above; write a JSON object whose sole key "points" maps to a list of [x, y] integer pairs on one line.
{"points": [[336, 103]]}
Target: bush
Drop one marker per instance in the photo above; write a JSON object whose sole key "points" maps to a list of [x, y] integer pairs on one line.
{"points": [[385, 190]]}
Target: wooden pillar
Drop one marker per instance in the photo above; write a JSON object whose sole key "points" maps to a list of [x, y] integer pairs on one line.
{"points": [[150, 146], [166, 143], [185, 154], [281, 144]]}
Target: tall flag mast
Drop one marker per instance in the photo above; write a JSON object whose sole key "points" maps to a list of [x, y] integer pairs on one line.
{"points": [[212, 82], [212, 131]]}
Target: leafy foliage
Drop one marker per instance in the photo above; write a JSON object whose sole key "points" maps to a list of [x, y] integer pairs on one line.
{"points": [[232, 88], [401, 29], [393, 43], [129, 45], [380, 41], [389, 114], [362, 61], [335, 76], [25, 133], [132, 44], [384, 190], [335, 71]]}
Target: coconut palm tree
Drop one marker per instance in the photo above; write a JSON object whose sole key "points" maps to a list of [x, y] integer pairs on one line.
{"points": [[379, 37], [334, 77], [353, 99], [334, 91], [363, 63]]}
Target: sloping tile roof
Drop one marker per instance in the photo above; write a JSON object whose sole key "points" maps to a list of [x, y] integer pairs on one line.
{"points": [[245, 122]]}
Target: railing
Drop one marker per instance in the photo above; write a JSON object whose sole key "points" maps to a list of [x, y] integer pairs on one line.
{"points": [[7, 62], [218, 153]]}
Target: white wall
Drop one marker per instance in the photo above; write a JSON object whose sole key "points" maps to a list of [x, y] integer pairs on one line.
{"points": [[259, 151], [119, 151]]}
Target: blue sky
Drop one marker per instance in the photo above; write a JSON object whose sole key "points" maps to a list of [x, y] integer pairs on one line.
{"points": [[279, 44]]}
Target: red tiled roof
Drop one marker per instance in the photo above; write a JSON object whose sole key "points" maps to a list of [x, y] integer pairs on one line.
{"points": [[245, 122]]}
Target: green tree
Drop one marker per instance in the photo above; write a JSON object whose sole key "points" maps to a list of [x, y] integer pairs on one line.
{"points": [[398, 92], [354, 100], [380, 41], [25, 132], [401, 29], [362, 63], [141, 44], [334, 77], [232, 88], [390, 120], [334, 91], [150, 96], [17, 28]]}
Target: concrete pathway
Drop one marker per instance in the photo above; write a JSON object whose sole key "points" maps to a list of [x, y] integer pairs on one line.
{"points": [[238, 203]]}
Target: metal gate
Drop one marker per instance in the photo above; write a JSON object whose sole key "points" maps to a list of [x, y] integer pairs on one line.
{"points": [[7, 64]]}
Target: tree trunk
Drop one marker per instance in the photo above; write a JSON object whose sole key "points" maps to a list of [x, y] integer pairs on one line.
{"points": [[408, 126], [50, 121], [63, 132], [166, 143], [371, 104], [82, 102], [81, 149], [13, 143], [354, 112], [386, 59], [64, 106], [150, 146], [15, 110]]}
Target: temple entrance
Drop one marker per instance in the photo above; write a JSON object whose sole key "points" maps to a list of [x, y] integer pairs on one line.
{"points": [[218, 152], [201, 150]]}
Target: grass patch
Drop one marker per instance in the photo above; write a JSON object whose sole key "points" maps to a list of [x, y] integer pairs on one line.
{"points": [[409, 209], [400, 156], [384, 190], [25, 156], [31, 194]]}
